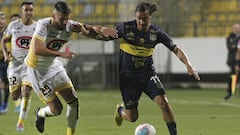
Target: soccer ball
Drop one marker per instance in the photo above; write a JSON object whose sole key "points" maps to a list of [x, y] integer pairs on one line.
{"points": [[145, 129]]}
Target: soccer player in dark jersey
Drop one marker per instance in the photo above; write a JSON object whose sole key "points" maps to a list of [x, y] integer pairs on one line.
{"points": [[137, 75], [4, 92]]}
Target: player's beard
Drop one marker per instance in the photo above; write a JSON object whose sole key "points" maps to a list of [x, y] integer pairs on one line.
{"points": [[143, 28], [61, 26]]}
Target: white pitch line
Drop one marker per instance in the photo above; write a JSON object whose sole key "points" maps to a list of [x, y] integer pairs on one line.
{"points": [[230, 104]]}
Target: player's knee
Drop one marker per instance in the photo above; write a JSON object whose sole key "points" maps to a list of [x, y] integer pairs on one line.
{"points": [[15, 95], [26, 91], [57, 110], [161, 101]]}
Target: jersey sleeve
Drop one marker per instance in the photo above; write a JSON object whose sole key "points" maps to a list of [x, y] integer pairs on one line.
{"points": [[41, 30], [165, 39], [8, 31], [120, 29]]}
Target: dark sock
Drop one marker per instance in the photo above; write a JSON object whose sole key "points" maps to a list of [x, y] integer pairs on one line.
{"points": [[172, 127]]}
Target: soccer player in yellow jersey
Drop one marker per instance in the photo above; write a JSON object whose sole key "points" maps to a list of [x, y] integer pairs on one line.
{"points": [[136, 71], [19, 33], [47, 73]]}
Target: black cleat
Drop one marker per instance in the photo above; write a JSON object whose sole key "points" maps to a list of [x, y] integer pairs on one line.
{"points": [[227, 97], [39, 122]]}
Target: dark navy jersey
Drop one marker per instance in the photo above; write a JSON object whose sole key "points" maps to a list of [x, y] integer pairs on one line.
{"points": [[1, 36], [137, 47]]}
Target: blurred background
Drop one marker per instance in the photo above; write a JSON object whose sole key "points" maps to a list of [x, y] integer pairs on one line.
{"points": [[200, 27]]}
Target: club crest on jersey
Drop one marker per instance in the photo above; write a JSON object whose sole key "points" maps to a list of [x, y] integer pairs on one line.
{"points": [[153, 37], [141, 40], [130, 35], [56, 44], [23, 42]]}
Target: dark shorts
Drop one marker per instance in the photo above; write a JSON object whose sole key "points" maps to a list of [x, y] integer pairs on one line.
{"points": [[3, 71], [132, 86]]}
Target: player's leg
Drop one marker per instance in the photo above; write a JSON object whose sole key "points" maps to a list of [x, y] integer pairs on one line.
{"points": [[6, 97], [167, 113], [229, 85], [70, 96], [127, 114], [131, 92], [25, 106], [2, 91], [1, 96], [5, 88], [15, 86], [64, 87], [156, 92], [53, 108], [16, 94], [16, 97]]}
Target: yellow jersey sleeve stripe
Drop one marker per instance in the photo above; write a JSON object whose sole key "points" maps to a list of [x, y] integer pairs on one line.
{"points": [[32, 58], [136, 50], [39, 37]]}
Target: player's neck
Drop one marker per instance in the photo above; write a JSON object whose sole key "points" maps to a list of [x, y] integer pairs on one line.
{"points": [[27, 21]]}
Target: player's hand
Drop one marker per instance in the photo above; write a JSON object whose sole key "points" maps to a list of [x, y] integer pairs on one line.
{"points": [[192, 71], [109, 32], [68, 55], [8, 58]]}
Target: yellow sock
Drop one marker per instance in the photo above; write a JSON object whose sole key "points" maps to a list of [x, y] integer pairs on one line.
{"points": [[71, 131], [20, 121]]}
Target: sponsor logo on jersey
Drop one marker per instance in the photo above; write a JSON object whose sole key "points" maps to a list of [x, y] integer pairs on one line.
{"points": [[56, 44], [23, 42]]}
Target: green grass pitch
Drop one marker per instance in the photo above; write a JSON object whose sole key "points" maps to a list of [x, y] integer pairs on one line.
{"points": [[198, 112]]}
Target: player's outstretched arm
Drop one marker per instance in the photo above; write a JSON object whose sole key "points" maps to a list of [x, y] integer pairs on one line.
{"points": [[100, 32], [95, 32], [40, 49], [183, 57]]}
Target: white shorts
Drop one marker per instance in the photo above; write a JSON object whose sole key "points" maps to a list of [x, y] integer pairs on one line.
{"points": [[17, 76], [46, 84]]}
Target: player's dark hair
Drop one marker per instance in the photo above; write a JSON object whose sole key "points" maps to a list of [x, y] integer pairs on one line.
{"points": [[15, 15], [26, 3], [145, 5], [62, 7]]}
